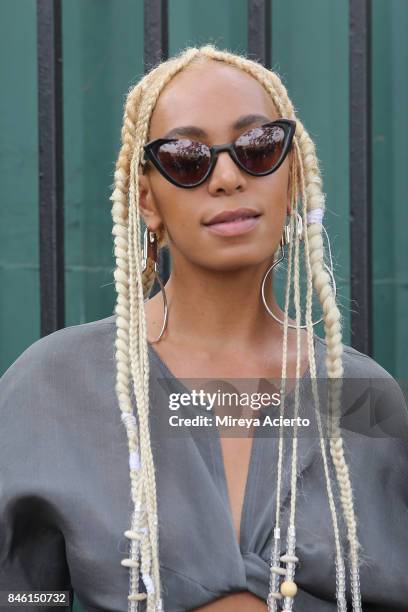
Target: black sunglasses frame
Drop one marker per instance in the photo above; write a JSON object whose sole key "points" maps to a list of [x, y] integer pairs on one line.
{"points": [[151, 147]]}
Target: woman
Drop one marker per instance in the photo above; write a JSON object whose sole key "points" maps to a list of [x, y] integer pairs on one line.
{"points": [[215, 523]]}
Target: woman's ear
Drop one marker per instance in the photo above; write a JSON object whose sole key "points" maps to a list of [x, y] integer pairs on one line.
{"points": [[147, 205]]}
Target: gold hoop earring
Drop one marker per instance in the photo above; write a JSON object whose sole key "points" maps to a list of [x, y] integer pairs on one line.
{"points": [[150, 252], [286, 238]]}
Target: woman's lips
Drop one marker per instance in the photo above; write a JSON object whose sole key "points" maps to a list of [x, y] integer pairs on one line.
{"points": [[234, 228]]}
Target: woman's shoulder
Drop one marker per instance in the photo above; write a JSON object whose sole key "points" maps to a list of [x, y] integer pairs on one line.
{"points": [[371, 394], [70, 340], [355, 363], [54, 362]]}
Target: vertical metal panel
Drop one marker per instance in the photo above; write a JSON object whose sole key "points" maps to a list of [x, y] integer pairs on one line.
{"points": [[259, 31], [51, 192], [360, 174], [156, 48], [156, 44]]}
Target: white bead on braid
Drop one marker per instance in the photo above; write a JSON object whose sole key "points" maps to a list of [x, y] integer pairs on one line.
{"points": [[134, 460], [128, 419], [315, 216]]}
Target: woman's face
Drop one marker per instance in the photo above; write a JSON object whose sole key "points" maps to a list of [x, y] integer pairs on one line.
{"points": [[212, 96]]}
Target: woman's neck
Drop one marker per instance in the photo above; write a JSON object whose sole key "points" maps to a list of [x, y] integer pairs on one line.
{"points": [[220, 311]]}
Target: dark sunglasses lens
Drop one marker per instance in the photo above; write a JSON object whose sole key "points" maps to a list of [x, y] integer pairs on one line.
{"points": [[261, 148], [185, 161]]}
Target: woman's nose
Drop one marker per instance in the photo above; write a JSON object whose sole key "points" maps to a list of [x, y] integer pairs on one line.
{"points": [[226, 176]]}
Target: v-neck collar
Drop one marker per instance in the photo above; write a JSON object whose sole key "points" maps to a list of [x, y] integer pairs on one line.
{"points": [[256, 452]]}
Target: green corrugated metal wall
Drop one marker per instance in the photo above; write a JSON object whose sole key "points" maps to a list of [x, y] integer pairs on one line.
{"points": [[103, 56]]}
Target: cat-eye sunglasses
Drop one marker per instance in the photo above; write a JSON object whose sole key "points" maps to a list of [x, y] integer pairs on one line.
{"points": [[188, 163]]}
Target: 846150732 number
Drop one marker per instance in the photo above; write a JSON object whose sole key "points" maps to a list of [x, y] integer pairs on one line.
{"points": [[33, 598]]}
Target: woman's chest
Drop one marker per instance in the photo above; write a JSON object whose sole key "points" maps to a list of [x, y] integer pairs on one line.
{"points": [[200, 559]]}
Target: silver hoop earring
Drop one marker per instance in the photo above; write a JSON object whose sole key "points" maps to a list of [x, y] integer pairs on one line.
{"points": [[150, 252], [286, 238]]}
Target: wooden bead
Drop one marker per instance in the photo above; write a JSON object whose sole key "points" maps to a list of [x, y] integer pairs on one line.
{"points": [[288, 589]]}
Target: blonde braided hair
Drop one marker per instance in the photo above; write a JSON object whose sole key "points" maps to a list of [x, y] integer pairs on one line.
{"points": [[133, 286]]}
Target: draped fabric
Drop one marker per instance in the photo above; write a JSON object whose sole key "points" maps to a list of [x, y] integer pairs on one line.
{"points": [[65, 496]]}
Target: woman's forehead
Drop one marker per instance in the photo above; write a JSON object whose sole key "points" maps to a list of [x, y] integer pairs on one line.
{"points": [[211, 96]]}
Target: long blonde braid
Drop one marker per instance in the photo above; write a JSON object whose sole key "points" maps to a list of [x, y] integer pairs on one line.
{"points": [[132, 286], [340, 569], [332, 325], [131, 342], [312, 191]]}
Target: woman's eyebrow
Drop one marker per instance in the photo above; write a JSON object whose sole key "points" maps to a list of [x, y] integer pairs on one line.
{"points": [[248, 119], [193, 130]]}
